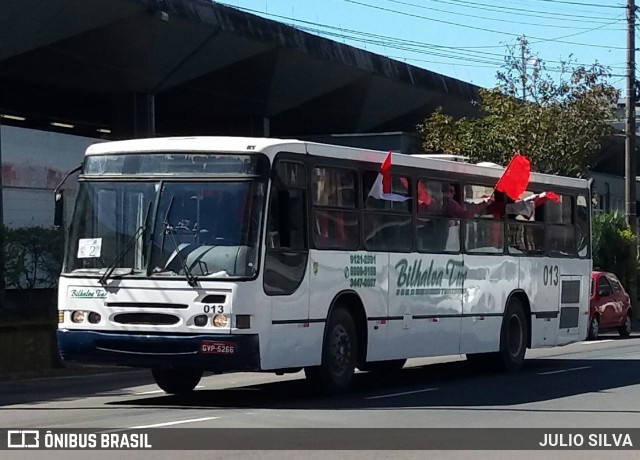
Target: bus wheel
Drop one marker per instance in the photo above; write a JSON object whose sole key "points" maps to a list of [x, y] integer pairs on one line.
{"points": [[339, 354], [513, 336], [177, 381], [381, 367]]}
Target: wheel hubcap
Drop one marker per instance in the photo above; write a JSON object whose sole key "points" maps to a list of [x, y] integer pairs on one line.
{"points": [[340, 350]]}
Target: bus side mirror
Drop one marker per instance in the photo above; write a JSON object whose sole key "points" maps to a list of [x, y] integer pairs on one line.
{"points": [[58, 217]]}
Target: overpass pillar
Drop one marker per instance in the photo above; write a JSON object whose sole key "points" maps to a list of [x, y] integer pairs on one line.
{"points": [[134, 116]]}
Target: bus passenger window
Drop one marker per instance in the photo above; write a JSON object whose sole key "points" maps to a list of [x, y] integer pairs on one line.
{"points": [[437, 228], [582, 224], [286, 223], [400, 185]]}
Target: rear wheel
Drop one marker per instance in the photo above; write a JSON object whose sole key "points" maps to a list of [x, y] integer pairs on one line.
{"points": [[513, 336], [625, 328], [594, 328], [177, 381], [339, 354]]}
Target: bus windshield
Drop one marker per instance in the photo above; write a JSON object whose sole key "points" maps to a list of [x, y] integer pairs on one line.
{"points": [[168, 228]]}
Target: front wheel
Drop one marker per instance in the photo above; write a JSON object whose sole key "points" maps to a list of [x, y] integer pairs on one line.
{"points": [[177, 381], [339, 354], [625, 328]]}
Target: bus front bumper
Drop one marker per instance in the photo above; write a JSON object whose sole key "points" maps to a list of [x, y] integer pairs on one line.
{"points": [[209, 352]]}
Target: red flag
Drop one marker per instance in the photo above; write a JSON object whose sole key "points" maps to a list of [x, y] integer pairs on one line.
{"points": [[529, 204], [386, 174], [543, 197], [423, 195], [381, 188], [515, 178]]}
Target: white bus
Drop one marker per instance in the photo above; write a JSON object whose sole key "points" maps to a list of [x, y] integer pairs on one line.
{"points": [[227, 254]]}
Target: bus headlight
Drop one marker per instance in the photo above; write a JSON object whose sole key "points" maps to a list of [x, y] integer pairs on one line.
{"points": [[220, 321], [77, 316]]}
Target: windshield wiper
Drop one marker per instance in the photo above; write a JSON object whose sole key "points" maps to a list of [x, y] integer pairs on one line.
{"points": [[130, 244], [191, 279]]}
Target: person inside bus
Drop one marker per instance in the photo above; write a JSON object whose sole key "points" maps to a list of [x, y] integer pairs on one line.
{"points": [[452, 207]]}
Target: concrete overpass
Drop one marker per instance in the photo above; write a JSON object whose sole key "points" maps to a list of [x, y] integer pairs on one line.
{"points": [[170, 67]]}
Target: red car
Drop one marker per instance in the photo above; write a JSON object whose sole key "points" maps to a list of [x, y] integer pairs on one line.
{"points": [[610, 306]]}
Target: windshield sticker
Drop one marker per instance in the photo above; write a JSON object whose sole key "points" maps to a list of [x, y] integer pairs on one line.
{"points": [[89, 247]]}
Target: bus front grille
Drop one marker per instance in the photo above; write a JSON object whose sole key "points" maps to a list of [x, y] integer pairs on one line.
{"points": [[146, 305], [159, 319]]}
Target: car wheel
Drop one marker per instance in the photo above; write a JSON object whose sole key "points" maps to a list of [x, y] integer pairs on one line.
{"points": [[625, 329], [594, 328]]}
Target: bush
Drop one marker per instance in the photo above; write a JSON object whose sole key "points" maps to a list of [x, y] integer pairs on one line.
{"points": [[33, 257], [613, 244]]}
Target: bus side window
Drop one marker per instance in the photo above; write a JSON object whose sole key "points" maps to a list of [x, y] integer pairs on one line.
{"points": [[287, 245], [335, 220], [287, 220]]}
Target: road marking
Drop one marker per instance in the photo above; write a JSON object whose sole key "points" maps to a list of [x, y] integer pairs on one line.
{"points": [[175, 422], [564, 370], [594, 342], [153, 392], [401, 394]]}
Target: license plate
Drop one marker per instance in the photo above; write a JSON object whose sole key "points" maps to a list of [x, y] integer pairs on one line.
{"points": [[209, 347]]}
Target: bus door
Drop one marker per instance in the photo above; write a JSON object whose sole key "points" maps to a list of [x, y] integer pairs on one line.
{"points": [[286, 264]]}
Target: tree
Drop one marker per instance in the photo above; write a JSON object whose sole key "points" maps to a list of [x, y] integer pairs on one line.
{"points": [[558, 123], [613, 244], [33, 257]]}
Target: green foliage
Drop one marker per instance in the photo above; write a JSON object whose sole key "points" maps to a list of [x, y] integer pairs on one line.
{"points": [[33, 257], [613, 244], [556, 122]]}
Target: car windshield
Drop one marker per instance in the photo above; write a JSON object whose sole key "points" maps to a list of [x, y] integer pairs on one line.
{"points": [[167, 228]]}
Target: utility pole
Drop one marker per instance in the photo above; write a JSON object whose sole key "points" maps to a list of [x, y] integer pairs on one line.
{"points": [[524, 72], [630, 137], [2, 236]]}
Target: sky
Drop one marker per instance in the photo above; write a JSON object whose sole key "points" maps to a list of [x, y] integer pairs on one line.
{"points": [[464, 39]]}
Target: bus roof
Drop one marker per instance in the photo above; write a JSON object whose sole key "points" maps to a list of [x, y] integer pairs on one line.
{"points": [[271, 146], [194, 143]]}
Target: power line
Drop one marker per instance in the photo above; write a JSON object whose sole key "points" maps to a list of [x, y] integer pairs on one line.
{"points": [[590, 5], [538, 39], [510, 10], [466, 54], [501, 20]]}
